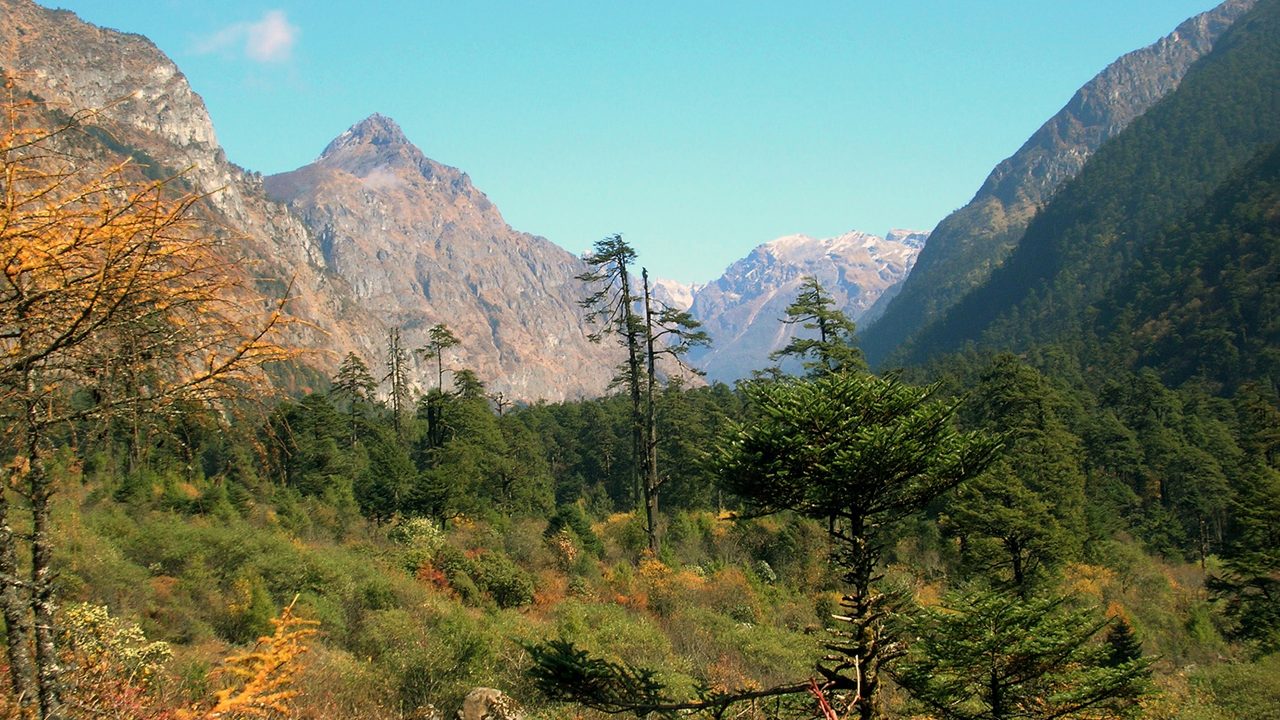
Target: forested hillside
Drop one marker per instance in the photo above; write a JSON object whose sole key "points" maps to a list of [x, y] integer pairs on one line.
{"points": [[971, 242], [1163, 166], [1066, 504], [1203, 297]]}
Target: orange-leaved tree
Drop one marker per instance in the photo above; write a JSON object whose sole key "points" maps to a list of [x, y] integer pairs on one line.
{"points": [[112, 299], [262, 679]]}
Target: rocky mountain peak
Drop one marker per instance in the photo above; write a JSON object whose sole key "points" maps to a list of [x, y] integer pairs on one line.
{"points": [[379, 154], [419, 245], [743, 308], [909, 238], [377, 129]]}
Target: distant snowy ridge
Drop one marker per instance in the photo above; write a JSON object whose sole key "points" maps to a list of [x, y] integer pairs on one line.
{"points": [[742, 309]]}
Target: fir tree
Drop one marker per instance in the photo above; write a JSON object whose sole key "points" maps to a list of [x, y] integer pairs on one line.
{"points": [[834, 349], [860, 452], [611, 306], [988, 656], [1123, 645], [354, 385]]}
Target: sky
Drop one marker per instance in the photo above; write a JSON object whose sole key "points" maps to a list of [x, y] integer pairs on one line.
{"points": [[696, 129]]}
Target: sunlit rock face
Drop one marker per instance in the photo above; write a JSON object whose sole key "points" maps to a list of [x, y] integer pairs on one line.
{"points": [[418, 244], [744, 307], [373, 235]]}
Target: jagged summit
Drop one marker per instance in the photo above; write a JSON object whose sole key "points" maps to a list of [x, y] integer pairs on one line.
{"points": [[417, 242], [742, 309], [377, 129], [378, 152]]}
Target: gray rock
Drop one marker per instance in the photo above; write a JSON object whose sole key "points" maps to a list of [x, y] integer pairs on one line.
{"points": [[489, 704]]}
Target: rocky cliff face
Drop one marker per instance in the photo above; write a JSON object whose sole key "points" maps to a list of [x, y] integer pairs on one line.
{"points": [[743, 309], [145, 109], [970, 242], [418, 244], [354, 265]]}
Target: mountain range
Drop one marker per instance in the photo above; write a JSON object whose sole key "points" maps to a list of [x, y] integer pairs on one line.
{"points": [[371, 236], [1160, 252], [375, 235]]}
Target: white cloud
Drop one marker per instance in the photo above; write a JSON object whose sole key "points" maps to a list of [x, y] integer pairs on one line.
{"points": [[270, 39]]}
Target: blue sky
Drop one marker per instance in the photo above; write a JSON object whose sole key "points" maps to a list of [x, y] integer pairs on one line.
{"points": [[698, 129]]}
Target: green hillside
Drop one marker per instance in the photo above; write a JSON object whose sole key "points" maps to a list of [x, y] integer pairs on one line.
{"points": [[1167, 163], [1203, 297]]}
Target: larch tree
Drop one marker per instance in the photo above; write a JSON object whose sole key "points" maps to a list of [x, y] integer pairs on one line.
{"points": [[109, 292]]}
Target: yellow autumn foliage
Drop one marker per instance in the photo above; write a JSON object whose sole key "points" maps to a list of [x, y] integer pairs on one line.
{"points": [[262, 679]]}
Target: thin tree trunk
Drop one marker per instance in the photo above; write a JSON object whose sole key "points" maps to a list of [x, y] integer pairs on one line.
{"points": [[17, 618], [17, 600], [40, 490], [43, 603], [651, 427], [633, 381]]}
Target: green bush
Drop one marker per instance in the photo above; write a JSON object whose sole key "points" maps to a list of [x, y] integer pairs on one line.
{"points": [[507, 583]]}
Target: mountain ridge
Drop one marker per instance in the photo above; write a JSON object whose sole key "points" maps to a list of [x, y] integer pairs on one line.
{"points": [[742, 310], [969, 243], [1167, 163], [148, 109]]}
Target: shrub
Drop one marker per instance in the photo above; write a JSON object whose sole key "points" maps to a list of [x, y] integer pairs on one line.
{"points": [[504, 581]]}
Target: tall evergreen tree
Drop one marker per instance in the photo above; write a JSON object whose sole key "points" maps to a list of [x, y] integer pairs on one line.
{"points": [[1026, 514], [1248, 587], [1123, 645], [355, 385], [439, 339], [611, 306], [671, 333], [862, 452], [834, 349]]}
